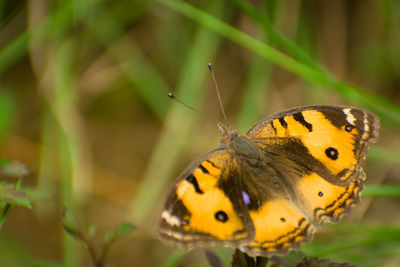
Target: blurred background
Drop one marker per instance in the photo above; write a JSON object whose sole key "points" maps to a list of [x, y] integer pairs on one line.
{"points": [[84, 106]]}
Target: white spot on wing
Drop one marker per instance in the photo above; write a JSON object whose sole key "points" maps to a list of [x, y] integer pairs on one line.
{"points": [[366, 127], [176, 235], [170, 219], [349, 117]]}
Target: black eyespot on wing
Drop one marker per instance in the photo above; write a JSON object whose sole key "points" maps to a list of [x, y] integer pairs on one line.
{"points": [[300, 118], [191, 179], [203, 169], [283, 219], [320, 194], [283, 122], [332, 153], [221, 216]]}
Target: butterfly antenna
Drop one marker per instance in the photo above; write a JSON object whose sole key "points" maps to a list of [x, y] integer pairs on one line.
{"points": [[172, 96], [210, 68]]}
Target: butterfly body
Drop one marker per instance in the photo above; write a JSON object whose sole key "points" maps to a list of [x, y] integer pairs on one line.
{"points": [[269, 190]]}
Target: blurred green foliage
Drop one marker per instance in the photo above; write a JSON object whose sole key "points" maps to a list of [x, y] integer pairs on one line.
{"points": [[83, 103]]}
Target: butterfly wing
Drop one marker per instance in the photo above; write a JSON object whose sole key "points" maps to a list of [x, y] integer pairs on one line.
{"points": [[315, 153], [330, 144], [331, 140], [310, 173], [279, 225], [200, 211]]}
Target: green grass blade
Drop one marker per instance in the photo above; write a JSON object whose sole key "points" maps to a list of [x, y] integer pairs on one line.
{"points": [[255, 94], [382, 191], [42, 264], [18, 48], [274, 36], [355, 95], [249, 42], [3, 214], [7, 114], [174, 259], [147, 81], [383, 154], [62, 101], [178, 124], [353, 240]]}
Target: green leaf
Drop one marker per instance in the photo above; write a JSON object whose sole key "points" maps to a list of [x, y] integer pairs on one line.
{"points": [[4, 162], [13, 168], [91, 230], [35, 195], [108, 236], [10, 195], [124, 229], [70, 225], [120, 231]]}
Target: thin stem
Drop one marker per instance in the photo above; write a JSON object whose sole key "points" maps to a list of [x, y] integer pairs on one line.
{"points": [[104, 252], [91, 250]]}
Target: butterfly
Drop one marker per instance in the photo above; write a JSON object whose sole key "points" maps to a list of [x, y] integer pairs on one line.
{"points": [[268, 191]]}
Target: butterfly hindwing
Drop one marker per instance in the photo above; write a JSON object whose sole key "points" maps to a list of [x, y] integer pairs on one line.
{"points": [[328, 202], [278, 227]]}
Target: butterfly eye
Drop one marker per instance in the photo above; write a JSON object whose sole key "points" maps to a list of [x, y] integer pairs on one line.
{"points": [[221, 216], [332, 153]]}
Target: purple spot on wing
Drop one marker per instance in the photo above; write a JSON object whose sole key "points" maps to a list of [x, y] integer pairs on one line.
{"points": [[246, 198]]}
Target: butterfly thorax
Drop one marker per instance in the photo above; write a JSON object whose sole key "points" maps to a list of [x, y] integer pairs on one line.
{"points": [[240, 145]]}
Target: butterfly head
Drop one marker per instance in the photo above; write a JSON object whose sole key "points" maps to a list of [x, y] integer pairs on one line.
{"points": [[227, 133]]}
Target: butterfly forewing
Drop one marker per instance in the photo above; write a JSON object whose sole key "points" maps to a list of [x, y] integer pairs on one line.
{"points": [[331, 143], [330, 140], [198, 212]]}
